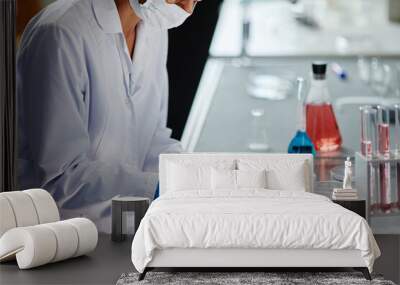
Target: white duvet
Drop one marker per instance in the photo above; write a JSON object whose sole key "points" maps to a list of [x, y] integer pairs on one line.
{"points": [[250, 219]]}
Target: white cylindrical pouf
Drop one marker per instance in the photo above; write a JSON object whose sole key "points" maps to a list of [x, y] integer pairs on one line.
{"points": [[67, 240], [7, 218], [23, 208], [45, 205], [87, 234], [34, 246]]}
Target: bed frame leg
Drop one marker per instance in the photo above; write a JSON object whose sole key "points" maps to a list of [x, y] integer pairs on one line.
{"points": [[365, 272], [142, 275]]}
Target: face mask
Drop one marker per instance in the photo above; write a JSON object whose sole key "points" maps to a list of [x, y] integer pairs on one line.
{"points": [[159, 14]]}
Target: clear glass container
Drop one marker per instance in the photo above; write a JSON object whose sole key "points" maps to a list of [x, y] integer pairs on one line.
{"points": [[385, 169], [301, 143], [364, 69], [396, 151], [322, 126], [384, 131], [369, 148], [396, 131], [368, 131], [258, 135]]}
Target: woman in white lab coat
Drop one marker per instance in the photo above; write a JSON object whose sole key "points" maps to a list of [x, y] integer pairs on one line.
{"points": [[92, 101]]}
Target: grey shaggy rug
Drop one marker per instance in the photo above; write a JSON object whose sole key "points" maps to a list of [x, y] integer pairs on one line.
{"points": [[244, 278]]}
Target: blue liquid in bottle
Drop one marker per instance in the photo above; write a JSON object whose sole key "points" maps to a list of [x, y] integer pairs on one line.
{"points": [[301, 143]]}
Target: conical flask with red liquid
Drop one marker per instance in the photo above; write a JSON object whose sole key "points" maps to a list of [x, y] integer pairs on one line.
{"points": [[321, 124]]}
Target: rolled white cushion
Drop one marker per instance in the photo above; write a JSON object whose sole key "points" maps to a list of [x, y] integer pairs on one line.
{"points": [[45, 205], [33, 246], [41, 244], [23, 208], [87, 235], [7, 218], [67, 240]]}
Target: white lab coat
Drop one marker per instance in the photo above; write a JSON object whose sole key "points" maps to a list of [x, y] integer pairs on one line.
{"points": [[92, 121]]}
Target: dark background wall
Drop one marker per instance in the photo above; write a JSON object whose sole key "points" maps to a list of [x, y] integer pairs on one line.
{"points": [[188, 53], [7, 96]]}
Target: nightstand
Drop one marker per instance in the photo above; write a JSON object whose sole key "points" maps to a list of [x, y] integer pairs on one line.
{"points": [[120, 205], [356, 206]]}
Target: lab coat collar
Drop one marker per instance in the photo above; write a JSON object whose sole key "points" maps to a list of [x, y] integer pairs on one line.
{"points": [[107, 16]]}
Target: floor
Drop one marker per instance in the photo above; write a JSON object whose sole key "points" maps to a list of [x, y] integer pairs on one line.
{"points": [[103, 266], [110, 260], [388, 263]]}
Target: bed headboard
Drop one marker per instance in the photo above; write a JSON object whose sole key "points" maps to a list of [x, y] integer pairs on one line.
{"points": [[216, 158]]}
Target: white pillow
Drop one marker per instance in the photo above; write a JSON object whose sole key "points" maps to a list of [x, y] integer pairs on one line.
{"points": [[223, 179], [282, 174], [185, 177], [290, 179], [251, 178]]}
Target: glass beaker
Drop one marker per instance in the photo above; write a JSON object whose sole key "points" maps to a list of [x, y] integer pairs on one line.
{"points": [[322, 126], [258, 135]]}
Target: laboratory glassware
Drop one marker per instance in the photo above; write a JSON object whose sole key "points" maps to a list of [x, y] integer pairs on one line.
{"points": [[369, 148], [384, 131], [368, 131], [321, 122], [301, 143], [264, 85], [397, 148], [384, 153], [364, 69], [380, 77], [396, 130], [258, 136], [397, 81], [244, 60], [339, 71]]}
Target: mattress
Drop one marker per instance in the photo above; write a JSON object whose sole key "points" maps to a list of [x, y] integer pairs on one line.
{"points": [[250, 219]]}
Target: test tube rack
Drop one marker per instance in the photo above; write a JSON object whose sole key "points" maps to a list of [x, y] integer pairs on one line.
{"points": [[363, 173]]}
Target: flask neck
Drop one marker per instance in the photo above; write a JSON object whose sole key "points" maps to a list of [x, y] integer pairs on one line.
{"points": [[318, 91], [318, 76]]}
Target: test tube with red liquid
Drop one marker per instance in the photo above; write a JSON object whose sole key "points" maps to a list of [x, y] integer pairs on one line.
{"points": [[384, 153], [369, 148], [368, 131], [396, 152]]}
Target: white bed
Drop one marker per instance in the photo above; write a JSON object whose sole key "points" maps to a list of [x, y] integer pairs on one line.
{"points": [[199, 225]]}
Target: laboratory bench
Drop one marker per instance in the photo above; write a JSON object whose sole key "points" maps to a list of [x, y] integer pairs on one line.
{"points": [[220, 117], [221, 121]]}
